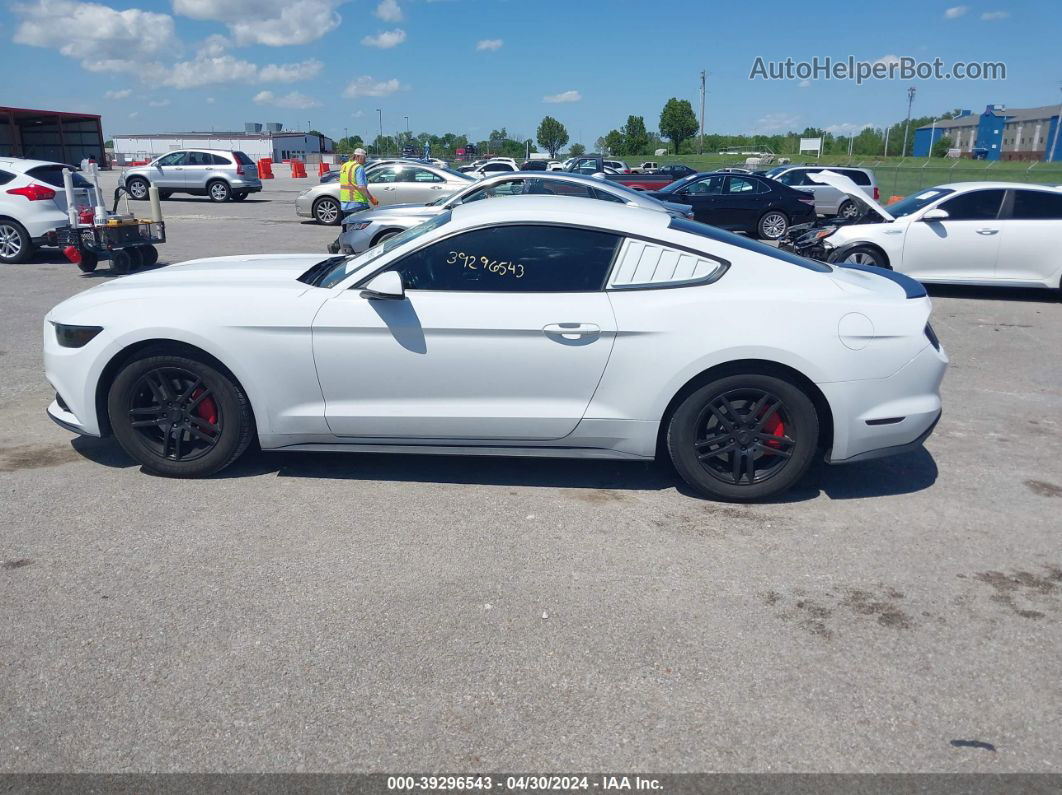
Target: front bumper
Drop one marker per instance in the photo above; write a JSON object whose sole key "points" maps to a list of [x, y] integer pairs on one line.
{"points": [[886, 416], [304, 206], [65, 418]]}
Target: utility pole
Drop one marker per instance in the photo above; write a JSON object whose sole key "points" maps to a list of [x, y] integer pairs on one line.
{"points": [[704, 90], [907, 126], [886, 152], [1054, 146]]}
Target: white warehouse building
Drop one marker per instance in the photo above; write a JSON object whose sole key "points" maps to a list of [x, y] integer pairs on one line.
{"points": [[253, 142]]}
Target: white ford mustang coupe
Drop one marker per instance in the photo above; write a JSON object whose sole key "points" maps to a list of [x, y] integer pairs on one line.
{"points": [[529, 327]]}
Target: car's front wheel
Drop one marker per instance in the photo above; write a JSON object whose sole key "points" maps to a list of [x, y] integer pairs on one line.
{"points": [[138, 188], [865, 255], [179, 416], [772, 225], [743, 437], [326, 211]]}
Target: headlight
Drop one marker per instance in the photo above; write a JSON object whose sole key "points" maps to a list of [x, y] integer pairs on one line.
{"points": [[826, 231], [75, 336]]}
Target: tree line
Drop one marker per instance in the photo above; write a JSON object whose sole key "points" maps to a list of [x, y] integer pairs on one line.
{"points": [[677, 132]]}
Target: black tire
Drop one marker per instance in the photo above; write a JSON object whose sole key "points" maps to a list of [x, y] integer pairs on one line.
{"points": [[138, 188], [150, 254], [218, 190], [182, 441], [121, 262], [772, 225], [15, 243], [326, 211], [380, 238], [239, 197], [88, 262], [755, 424], [136, 257], [848, 210], [864, 255], [165, 194]]}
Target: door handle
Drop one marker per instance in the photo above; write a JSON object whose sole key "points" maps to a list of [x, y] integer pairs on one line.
{"points": [[436, 187], [987, 231], [572, 331]]}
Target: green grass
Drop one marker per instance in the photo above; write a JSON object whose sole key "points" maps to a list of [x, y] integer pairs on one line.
{"points": [[895, 175]]}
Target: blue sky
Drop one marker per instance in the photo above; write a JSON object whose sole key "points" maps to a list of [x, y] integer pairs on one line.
{"points": [[468, 66]]}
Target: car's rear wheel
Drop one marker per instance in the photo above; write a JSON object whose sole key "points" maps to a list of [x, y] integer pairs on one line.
{"points": [[138, 188], [865, 255], [179, 416], [239, 196], [743, 437], [848, 210], [772, 225], [219, 191], [15, 243], [327, 211], [165, 194]]}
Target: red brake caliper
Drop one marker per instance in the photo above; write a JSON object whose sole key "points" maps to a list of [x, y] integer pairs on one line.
{"points": [[207, 408], [774, 427]]}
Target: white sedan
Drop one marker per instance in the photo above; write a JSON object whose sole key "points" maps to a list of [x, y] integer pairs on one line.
{"points": [[399, 182], [526, 327], [1007, 234]]}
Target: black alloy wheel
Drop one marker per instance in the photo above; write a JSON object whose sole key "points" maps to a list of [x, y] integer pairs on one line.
{"points": [[179, 416], [744, 437]]}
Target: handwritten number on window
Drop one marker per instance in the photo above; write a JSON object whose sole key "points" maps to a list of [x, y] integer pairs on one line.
{"points": [[472, 262]]}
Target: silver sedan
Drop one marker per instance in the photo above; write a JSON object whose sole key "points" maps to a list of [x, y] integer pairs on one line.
{"points": [[391, 183], [362, 231]]}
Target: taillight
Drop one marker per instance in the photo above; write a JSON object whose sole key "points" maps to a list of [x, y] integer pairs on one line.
{"points": [[809, 200], [877, 193], [239, 169], [34, 192]]}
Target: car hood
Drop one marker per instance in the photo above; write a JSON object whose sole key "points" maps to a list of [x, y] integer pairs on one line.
{"points": [[846, 185]]}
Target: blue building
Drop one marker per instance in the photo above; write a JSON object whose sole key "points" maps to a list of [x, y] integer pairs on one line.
{"points": [[998, 133]]}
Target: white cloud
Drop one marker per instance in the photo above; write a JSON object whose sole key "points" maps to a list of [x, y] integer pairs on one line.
{"points": [[272, 22], [955, 12], [202, 72], [847, 129], [290, 72], [293, 99], [210, 100], [776, 123], [564, 96], [120, 94], [358, 114], [804, 83], [385, 39], [134, 114], [489, 44], [159, 103], [213, 46], [389, 11], [888, 59], [102, 38], [992, 16], [366, 86]]}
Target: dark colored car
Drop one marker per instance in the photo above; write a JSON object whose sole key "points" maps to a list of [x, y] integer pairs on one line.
{"points": [[748, 203], [535, 165], [675, 170]]}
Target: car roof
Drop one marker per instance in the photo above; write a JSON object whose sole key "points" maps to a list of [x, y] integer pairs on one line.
{"points": [[571, 210], [25, 164], [970, 185], [200, 149]]}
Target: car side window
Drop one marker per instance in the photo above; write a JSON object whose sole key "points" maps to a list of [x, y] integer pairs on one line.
{"points": [[522, 259], [386, 175], [1037, 205], [173, 159], [741, 185], [709, 186], [977, 205], [510, 187], [6, 177], [199, 159], [607, 197], [220, 160], [558, 187], [854, 174], [423, 175]]}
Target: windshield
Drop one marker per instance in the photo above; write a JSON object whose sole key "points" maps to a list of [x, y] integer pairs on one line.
{"points": [[333, 270], [916, 202], [458, 174], [681, 183], [774, 172]]}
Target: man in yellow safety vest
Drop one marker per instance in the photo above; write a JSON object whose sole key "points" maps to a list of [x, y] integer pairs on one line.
{"points": [[354, 194]]}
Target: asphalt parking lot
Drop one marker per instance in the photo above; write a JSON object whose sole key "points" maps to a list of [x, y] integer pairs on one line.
{"points": [[329, 612]]}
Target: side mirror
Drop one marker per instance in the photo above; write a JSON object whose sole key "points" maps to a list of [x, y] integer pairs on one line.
{"points": [[386, 286], [936, 214]]}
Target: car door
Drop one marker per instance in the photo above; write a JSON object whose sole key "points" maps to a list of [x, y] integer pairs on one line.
{"points": [[422, 186], [197, 167], [963, 246], [703, 195], [168, 171], [503, 334], [1030, 246], [383, 184], [740, 203]]}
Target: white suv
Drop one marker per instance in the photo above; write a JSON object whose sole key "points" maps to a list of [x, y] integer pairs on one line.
{"points": [[32, 205], [218, 173]]}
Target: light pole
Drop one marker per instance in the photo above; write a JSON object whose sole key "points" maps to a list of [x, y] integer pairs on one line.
{"points": [[379, 141], [907, 126], [704, 90]]}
